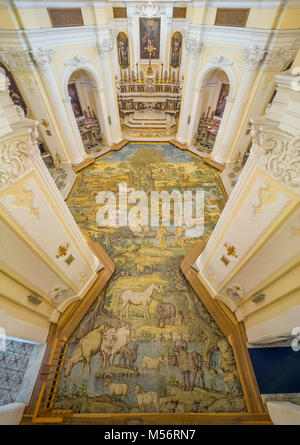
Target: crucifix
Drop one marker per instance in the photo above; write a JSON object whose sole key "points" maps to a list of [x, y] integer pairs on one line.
{"points": [[151, 49]]}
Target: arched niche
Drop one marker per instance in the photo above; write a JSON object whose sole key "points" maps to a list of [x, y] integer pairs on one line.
{"points": [[18, 99], [91, 107], [215, 64], [123, 50], [176, 50]]}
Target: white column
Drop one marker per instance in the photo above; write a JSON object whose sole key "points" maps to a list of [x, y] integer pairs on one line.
{"points": [[76, 132], [195, 115], [222, 147], [251, 259], [105, 48], [41, 247], [131, 40], [193, 48], [275, 60], [165, 50], [42, 59], [133, 36], [19, 63]]}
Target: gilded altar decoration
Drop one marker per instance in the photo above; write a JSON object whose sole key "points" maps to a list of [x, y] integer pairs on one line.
{"points": [[62, 250], [151, 50], [176, 50], [123, 50], [149, 30]]}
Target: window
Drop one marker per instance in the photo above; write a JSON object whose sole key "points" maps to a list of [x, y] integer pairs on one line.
{"points": [[232, 17], [179, 13], [61, 17], [120, 13]]}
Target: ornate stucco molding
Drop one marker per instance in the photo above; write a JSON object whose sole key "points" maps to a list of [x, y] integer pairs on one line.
{"points": [[220, 60], [43, 58], [192, 46], [105, 47], [277, 60], [253, 57], [27, 60], [76, 61], [18, 60], [277, 154], [16, 156]]}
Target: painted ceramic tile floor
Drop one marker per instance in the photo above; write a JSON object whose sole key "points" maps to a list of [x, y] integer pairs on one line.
{"points": [[13, 364], [173, 357]]}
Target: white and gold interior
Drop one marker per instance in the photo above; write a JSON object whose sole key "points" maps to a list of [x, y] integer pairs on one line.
{"points": [[251, 262]]}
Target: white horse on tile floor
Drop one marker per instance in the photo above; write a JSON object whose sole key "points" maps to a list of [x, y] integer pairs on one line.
{"points": [[137, 299]]}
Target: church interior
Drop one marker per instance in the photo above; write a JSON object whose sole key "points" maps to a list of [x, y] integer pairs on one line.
{"points": [[149, 212]]}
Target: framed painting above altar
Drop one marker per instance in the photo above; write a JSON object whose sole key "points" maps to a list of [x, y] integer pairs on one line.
{"points": [[149, 30]]}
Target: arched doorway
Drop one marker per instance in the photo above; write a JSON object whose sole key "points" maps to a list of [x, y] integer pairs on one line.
{"points": [[213, 95], [85, 102], [24, 111]]}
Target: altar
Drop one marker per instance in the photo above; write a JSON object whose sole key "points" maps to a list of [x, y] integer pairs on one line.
{"points": [[150, 100], [149, 119]]}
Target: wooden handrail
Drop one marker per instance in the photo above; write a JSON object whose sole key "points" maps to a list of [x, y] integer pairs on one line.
{"points": [[44, 412]]}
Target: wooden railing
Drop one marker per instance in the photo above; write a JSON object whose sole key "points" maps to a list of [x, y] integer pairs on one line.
{"points": [[51, 372]]}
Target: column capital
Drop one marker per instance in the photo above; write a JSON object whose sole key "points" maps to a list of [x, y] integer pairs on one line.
{"points": [[193, 46], [278, 59], [17, 154], [277, 153], [253, 57], [43, 58], [105, 47], [17, 59]]}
